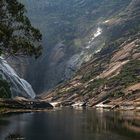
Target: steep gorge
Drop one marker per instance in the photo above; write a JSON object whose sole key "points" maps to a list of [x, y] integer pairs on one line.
{"points": [[73, 31], [111, 77]]}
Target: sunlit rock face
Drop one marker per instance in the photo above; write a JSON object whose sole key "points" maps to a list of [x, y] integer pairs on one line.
{"points": [[72, 32], [19, 86], [111, 78]]}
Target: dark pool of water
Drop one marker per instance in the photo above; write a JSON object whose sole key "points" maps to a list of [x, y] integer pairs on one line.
{"points": [[70, 124]]}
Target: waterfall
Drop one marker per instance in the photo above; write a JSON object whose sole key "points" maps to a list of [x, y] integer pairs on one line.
{"points": [[93, 36], [19, 87], [98, 32]]}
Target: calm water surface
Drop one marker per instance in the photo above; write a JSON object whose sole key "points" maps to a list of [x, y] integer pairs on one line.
{"points": [[70, 124]]}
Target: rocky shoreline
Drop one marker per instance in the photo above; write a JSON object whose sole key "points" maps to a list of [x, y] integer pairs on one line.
{"points": [[125, 107], [21, 105], [10, 111]]}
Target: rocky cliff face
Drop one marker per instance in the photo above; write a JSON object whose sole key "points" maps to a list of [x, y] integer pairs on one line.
{"points": [[73, 31], [111, 77]]}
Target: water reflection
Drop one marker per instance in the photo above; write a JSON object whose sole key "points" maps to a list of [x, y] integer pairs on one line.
{"points": [[69, 124]]}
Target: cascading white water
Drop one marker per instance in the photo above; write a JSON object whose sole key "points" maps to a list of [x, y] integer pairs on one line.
{"points": [[19, 86], [98, 32], [95, 35], [77, 60]]}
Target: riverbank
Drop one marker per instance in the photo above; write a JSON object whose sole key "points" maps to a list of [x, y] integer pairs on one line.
{"points": [[21, 105], [9, 111], [107, 104]]}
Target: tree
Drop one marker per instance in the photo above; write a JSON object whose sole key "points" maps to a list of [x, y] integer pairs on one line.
{"points": [[17, 35]]}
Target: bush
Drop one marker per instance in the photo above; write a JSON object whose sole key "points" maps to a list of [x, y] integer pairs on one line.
{"points": [[128, 75], [5, 91]]}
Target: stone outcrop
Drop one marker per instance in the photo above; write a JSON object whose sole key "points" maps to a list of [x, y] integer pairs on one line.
{"points": [[24, 104]]}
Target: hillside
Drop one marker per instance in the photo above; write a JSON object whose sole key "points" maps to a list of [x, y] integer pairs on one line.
{"points": [[112, 76], [72, 32]]}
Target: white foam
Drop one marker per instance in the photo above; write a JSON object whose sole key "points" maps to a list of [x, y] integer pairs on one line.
{"points": [[19, 84], [95, 35]]}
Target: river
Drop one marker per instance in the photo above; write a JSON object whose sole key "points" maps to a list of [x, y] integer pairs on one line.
{"points": [[70, 124]]}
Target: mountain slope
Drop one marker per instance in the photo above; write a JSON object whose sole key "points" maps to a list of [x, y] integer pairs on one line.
{"points": [[112, 76], [73, 31]]}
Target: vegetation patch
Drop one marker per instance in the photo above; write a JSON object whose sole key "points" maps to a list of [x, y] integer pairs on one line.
{"points": [[129, 75], [5, 91]]}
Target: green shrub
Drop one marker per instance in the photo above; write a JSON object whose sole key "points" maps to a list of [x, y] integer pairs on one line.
{"points": [[117, 94], [5, 91], [128, 75]]}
